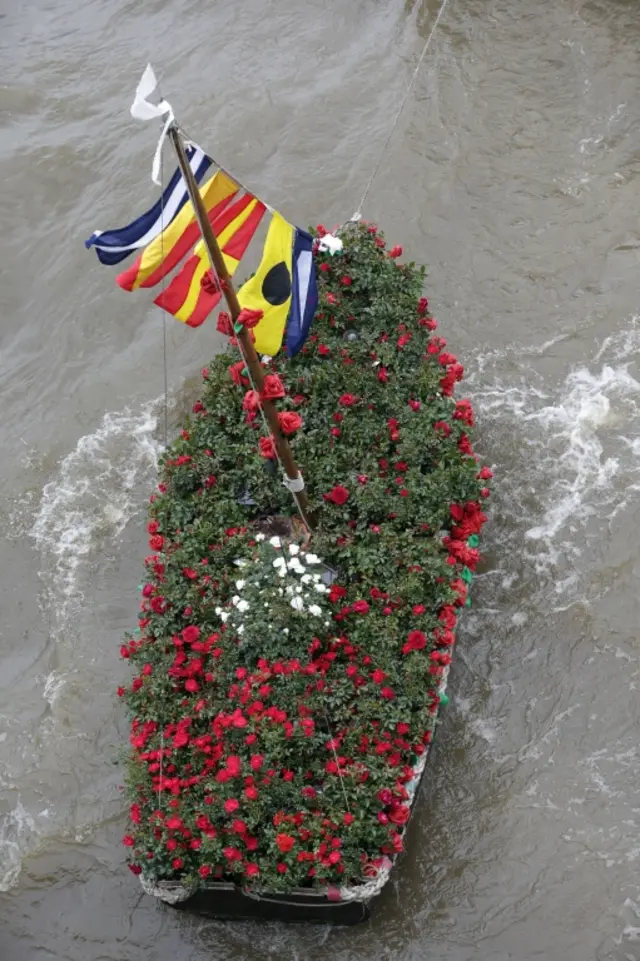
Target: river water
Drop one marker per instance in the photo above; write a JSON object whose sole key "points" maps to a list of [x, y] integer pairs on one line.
{"points": [[515, 174]]}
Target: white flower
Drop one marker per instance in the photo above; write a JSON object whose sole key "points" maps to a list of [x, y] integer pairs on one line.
{"points": [[306, 578], [218, 611], [289, 589], [240, 563], [274, 541], [235, 599], [285, 630], [279, 562], [320, 588], [294, 549], [240, 584], [312, 559], [297, 603], [296, 568], [243, 606], [315, 610], [266, 604], [241, 629], [280, 592], [259, 537], [224, 616]]}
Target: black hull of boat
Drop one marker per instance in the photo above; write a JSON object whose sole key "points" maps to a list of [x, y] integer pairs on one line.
{"points": [[227, 902]]}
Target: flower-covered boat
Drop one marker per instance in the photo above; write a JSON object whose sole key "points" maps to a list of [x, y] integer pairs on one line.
{"points": [[291, 664]]}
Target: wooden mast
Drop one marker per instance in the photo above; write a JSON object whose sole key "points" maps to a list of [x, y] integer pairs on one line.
{"points": [[249, 354]]}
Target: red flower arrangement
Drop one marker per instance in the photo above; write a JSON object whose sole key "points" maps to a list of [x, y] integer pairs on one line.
{"points": [[244, 744]]}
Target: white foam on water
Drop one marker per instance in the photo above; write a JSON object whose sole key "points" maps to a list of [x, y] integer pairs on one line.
{"points": [[92, 497], [95, 492], [578, 446], [16, 828]]}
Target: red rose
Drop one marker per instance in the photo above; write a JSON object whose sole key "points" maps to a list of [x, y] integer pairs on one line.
{"points": [[399, 814], [224, 325], [395, 252], [156, 543], [251, 401], [284, 842], [348, 819], [347, 400], [252, 870], [190, 634], [128, 841], [231, 805], [272, 387], [324, 351], [267, 447], [423, 304], [383, 375], [346, 281], [236, 374], [325, 268], [249, 318], [485, 474], [378, 676], [338, 495], [289, 422], [414, 404], [135, 868], [360, 607], [388, 693], [417, 640], [204, 870], [209, 282]]}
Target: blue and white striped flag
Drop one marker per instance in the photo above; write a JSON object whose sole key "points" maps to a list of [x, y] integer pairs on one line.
{"points": [[304, 293], [112, 246]]}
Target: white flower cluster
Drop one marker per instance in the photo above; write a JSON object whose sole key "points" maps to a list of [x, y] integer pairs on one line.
{"points": [[295, 581]]}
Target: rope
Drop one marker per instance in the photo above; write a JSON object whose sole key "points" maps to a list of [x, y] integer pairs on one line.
{"points": [[164, 315], [358, 214]]}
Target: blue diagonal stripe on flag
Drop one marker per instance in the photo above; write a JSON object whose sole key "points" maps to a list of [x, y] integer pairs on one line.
{"points": [[112, 246], [304, 293]]}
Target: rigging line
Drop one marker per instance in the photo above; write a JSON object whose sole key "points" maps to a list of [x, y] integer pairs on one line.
{"points": [[164, 325], [231, 176], [164, 314], [358, 214]]}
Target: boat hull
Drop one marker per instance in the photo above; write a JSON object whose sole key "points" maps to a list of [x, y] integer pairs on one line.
{"points": [[228, 902]]}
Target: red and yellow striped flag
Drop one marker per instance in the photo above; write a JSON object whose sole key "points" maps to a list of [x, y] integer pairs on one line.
{"points": [[186, 298], [175, 241]]}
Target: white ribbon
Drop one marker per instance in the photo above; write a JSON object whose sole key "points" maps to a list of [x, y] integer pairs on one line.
{"points": [[141, 109]]}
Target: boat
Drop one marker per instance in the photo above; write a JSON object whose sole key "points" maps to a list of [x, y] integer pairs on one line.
{"points": [[313, 536]]}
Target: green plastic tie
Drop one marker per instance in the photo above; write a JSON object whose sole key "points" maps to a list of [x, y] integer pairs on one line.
{"points": [[444, 699], [245, 372], [238, 328], [466, 575], [467, 603], [473, 541]]}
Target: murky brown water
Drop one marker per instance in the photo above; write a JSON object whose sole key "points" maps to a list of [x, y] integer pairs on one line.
{"points": [[515, 174]]}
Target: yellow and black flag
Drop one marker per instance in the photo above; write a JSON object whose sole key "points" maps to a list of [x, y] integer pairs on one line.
{"points": [[269, 290]]}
